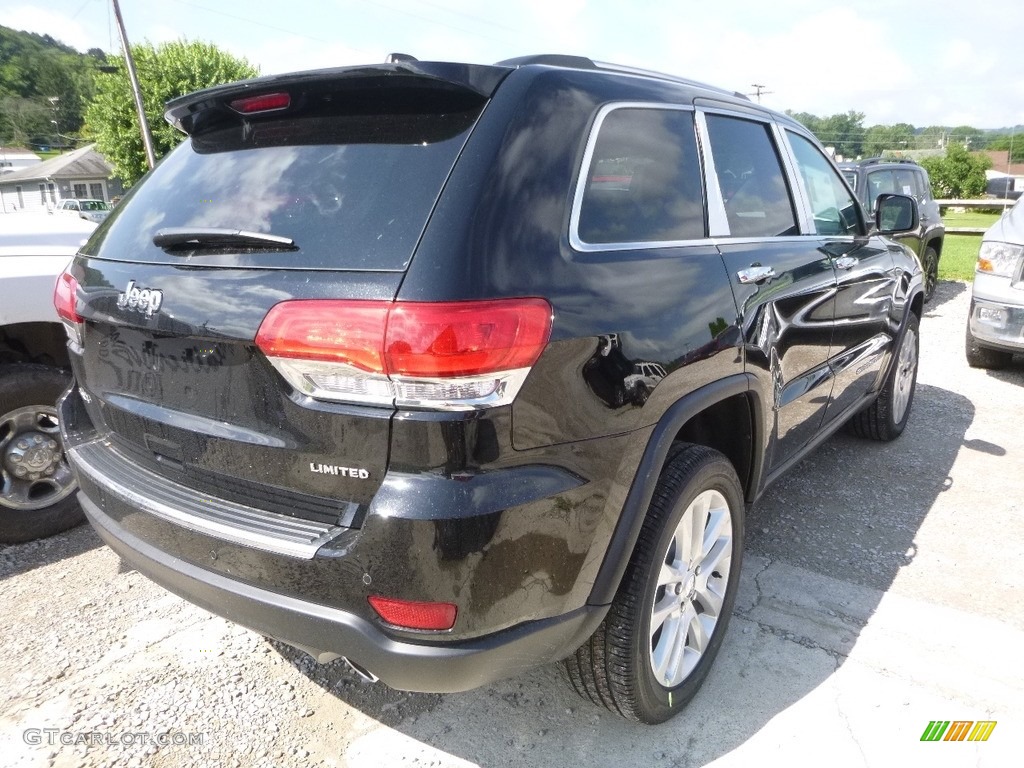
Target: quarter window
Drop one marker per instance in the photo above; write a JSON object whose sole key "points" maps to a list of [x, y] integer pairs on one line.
{"points": [[834, 210], [754, 190], [643, 184]]}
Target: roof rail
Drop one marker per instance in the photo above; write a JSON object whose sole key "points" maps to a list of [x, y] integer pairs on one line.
{"points": [[551, 60], [582, 62], [878, 160]]}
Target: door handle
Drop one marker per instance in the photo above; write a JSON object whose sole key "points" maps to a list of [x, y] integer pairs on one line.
{"points": [[755, 273], [846, 262]]}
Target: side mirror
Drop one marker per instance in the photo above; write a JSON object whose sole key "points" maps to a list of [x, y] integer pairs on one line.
{"points": [[896, 213]]}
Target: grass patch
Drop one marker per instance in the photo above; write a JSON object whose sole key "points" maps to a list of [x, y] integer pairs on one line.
{"points": [[959, 254], [969, 219]]}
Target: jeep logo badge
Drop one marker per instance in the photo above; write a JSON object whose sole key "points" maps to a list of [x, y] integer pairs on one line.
{"points": [[144, 300]]}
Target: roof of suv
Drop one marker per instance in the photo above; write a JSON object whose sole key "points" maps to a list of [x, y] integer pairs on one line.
{"points": [[481, 79]]}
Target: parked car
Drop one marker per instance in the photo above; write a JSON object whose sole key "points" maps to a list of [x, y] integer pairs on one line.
{"points": [[876, 176], [373, 413], [36, 485], [90, 210], [995, 325]]}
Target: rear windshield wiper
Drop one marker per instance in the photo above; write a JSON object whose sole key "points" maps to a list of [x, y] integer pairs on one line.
{"points": [[210, 238]]}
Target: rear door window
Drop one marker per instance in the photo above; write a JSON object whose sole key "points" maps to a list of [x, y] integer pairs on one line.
{"points": [[351, 179], [643, 181], [906, 184], [750, 176]]}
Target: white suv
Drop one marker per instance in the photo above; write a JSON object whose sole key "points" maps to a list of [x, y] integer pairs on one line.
{"points": [[995, 325], [90, 210]]}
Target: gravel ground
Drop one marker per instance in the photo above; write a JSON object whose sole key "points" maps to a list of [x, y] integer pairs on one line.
{"points": [[97, 664]]}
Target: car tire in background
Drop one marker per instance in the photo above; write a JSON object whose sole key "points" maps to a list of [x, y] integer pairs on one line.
{"points": [[37, 487], [930, 264], [984, 357], [653, 650]]}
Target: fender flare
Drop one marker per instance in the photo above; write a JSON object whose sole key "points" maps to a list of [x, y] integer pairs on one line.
{"points": [[638, 499]]}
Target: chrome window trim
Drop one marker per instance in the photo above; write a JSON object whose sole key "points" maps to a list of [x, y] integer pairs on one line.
{"points": [[575, 241], [718, 221], [804, 214]]}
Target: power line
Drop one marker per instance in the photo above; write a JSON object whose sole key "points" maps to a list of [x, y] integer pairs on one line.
{"points": [[759, 91]]}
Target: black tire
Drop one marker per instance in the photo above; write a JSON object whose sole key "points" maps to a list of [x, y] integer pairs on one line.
{"points": [[886, 418], [49, 506], [615, 667], [930, 264], [983, 357]]}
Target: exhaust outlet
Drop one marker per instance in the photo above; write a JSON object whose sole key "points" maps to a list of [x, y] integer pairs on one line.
{"points": [[364, 674]]}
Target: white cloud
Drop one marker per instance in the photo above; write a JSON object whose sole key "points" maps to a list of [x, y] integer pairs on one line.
{"points": [[44, 21]]}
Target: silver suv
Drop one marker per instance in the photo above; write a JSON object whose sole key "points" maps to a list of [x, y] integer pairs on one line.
{"points": [[995, 325]]}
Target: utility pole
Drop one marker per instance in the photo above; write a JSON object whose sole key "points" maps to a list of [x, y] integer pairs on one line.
{"points": [[147, 138], [759, 89]]}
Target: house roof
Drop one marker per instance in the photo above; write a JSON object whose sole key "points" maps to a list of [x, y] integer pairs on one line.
{"points": [[1000, 162], [83, 163]]}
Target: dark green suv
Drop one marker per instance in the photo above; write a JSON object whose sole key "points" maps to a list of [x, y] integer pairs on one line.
{"points": [[876, 176]]}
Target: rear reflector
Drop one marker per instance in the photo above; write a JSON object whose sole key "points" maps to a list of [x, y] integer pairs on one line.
{"points": [[65, 294], [409, 614], [448, 355], [268, 102]]}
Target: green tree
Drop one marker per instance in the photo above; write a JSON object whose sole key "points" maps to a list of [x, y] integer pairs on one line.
{"points": [[165, 72], [957, 175], [1002, 142], [888, 139], [969, 136], [22, 120], [844, 132]]}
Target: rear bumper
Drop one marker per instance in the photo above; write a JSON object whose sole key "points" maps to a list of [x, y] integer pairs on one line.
{"points": [[325, 632]]}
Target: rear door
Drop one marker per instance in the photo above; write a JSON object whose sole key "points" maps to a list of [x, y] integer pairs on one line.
{"points": [[783, 283]]}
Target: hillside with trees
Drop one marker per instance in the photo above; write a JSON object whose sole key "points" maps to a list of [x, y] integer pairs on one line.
{"points": [[44, 88]]}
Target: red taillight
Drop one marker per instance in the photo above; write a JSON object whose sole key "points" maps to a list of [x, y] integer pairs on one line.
{"points": [[452, 355], [414, 615], [470, 338], [267, 102], [350, 332], [65, 294]]}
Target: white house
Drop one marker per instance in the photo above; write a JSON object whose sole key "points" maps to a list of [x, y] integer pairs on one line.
{"points": [[83, 173]]}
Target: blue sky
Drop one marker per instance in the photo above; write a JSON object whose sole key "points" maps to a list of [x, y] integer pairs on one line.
{"points": [[930, 62]]}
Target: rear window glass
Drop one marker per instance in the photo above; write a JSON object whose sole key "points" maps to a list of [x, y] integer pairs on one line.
{"points": [[351, 180], [644, 181]]}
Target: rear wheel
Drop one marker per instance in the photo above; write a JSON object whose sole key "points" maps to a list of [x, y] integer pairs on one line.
{"points": [[983, 357], [656, 645], [36, 484]]}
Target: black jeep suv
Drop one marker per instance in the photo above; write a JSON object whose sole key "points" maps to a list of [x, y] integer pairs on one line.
{"points": [[456, 370], [878, 176]]}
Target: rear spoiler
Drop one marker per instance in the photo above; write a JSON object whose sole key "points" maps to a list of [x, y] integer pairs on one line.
{"points": [[480, 79]]}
